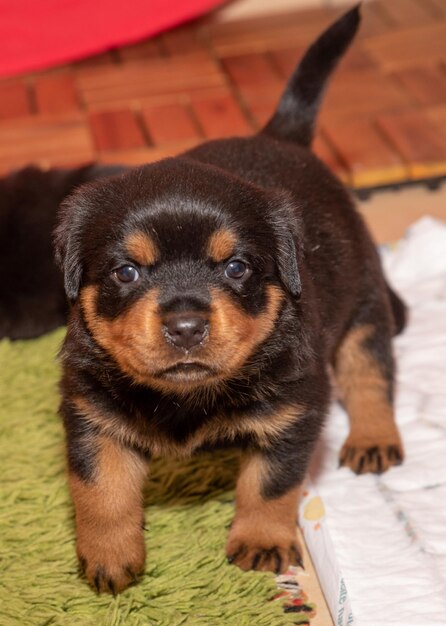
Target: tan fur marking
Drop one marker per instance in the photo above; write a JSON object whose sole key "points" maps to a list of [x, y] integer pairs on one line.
{"points": [[264, 430], [238, 334], [262, 525], [136, 341], [132, 337], [110, 424], [109, 516], [364, 393], [221, 245], [142, 248]]}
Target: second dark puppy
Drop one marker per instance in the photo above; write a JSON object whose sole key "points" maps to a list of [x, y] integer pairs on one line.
{"points": [[211, 293], [32, 297]]}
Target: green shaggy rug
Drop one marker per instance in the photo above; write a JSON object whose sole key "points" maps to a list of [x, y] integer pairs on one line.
{"points": [[188, 508]]}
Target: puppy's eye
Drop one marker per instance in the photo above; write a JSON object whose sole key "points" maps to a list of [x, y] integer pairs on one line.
{"points": [[126, 274], [236, 269]]}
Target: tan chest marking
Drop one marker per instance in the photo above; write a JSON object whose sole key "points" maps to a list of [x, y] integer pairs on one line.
{"points": [[264, 430]]}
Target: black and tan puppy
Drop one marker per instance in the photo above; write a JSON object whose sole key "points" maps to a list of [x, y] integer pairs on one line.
{"points": [[211, 294]]}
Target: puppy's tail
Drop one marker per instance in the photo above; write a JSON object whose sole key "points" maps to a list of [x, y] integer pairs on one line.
{"points": [[295, 116]]}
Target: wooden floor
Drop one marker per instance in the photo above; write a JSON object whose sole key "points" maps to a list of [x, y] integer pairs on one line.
{"points": [[383, 121]]}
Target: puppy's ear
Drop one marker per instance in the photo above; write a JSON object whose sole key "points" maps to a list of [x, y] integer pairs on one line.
{"points": [[287, 228], [287, 262], [67, 245], [73, 217]]}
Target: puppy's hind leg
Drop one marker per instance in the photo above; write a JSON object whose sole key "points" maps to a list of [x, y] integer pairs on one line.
{"points": [[364, 370]]}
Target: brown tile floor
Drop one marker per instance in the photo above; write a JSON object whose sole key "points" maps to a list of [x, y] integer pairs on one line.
{"points": [[389, 213], [384, 118]]}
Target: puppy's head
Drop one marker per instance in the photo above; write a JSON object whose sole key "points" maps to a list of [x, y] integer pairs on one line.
{"points": [[179, 269]]}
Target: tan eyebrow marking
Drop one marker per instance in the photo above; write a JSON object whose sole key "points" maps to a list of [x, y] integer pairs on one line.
{"points": [[221, 245], [142, 248]]}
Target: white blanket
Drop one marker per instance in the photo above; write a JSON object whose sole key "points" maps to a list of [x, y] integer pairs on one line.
{"points": [[379, 543]]}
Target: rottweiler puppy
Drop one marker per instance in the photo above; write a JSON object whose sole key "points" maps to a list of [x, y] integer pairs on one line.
{"points": [[212, 294]]}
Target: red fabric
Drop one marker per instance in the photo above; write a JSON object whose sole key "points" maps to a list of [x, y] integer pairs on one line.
{"points": [[39, 33]]}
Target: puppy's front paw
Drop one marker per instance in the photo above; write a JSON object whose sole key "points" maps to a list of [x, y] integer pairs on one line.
{"points": [[111, 563], [271, 550], [363, 458]]}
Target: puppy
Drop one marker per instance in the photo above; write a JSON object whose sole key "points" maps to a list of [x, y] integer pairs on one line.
{"points": [[211, 294], [32, 297]]}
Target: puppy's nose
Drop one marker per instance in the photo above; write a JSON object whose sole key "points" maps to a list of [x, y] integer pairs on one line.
{"points": [[185, 331]]}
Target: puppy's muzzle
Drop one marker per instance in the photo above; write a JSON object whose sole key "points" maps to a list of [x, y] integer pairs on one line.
{"points": [[185, 330]]}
